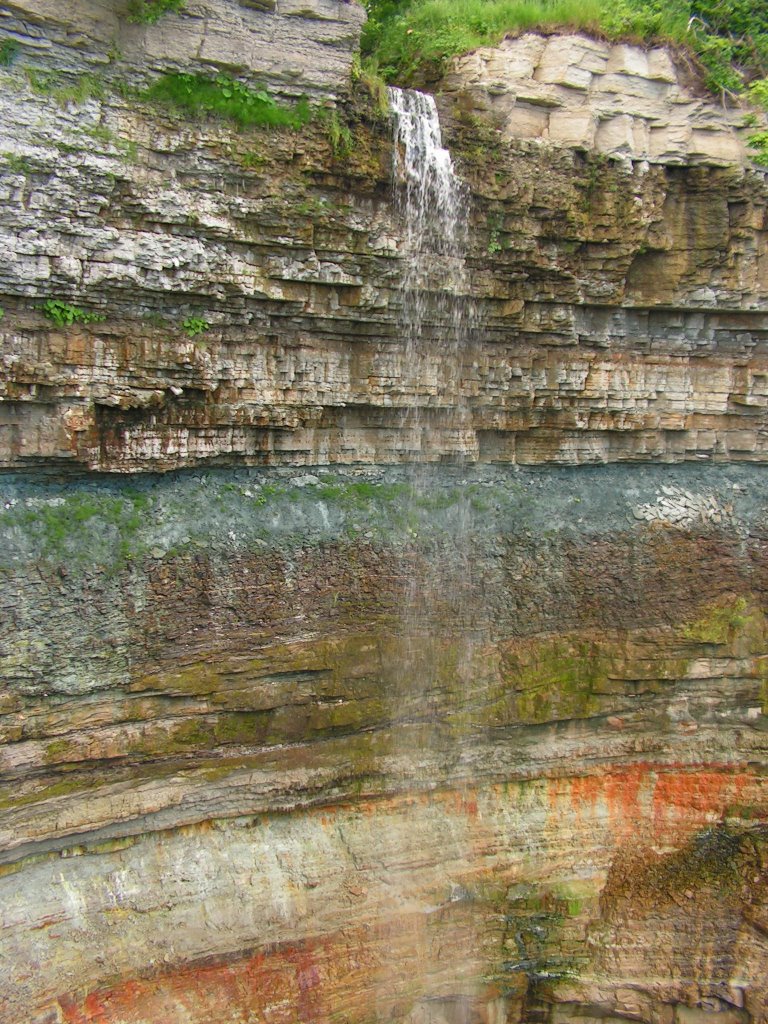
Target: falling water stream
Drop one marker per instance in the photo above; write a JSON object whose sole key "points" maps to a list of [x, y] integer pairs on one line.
{"points": [[434, 204], [436, 315], [435, 644]]}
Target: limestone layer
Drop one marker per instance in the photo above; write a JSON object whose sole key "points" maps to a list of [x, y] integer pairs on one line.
{"points": [[296, 48], [620, 306], [614, 98], [289, 732]]}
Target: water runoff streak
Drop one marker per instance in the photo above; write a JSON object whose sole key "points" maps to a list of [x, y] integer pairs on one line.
{"points": [[435, 658], [436, 316]]}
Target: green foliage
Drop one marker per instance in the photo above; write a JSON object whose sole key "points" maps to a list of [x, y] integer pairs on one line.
{"points": [[127, 147], [227, 98], [195, 325], [64, 315], [79, 525], [495, 225], [759, 142], [147, 12], [359, 493], [367, 74], [339, 134], [2, 312], [9, 51], [79, 91], [406, 38], [251, 160], [410, 37], [17, 164], [758, 93]]}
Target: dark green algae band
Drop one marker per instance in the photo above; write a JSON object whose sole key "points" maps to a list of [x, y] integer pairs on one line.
{"points": [[100, 522]]}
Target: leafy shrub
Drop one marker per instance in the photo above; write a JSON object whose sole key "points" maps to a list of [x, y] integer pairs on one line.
{"points": [[64, 315], [225, 97]]}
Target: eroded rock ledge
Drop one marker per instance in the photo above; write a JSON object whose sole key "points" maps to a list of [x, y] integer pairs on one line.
{"points": [[614, 98]]}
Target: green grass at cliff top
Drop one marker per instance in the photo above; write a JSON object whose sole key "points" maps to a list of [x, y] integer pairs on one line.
{"points": [[413, 39]]}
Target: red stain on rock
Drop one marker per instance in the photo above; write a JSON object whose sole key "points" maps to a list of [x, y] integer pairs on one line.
{"points": [[678, 797], [308, 1008], [695, 794]]}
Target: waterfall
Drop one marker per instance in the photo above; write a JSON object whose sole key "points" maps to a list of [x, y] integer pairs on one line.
{"points": [[435, 644], [434, 204]]}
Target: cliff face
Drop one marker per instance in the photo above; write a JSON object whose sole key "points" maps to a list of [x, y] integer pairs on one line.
{"points": [[622, 303], [304, 729]]}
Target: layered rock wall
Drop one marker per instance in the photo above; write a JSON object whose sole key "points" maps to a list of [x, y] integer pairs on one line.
{"points": [[621, 307], [456, 744], [295, 48], [223, 738], [612, 98]]}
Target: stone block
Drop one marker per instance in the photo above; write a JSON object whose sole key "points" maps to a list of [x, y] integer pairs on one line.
{"points": [[641, 137], [569, 75], [526, 122], [628, 60], [589, 54], [566, 61], [716, 146], [572, 128], [631, 85], [616, 135], [660, 66], [516, 58], [538, 94], [669, 142]]}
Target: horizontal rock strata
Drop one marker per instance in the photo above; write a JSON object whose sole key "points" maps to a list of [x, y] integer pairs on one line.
{"points": [[620, 310], [194, 657], [295, 48], [292, 732], [615, 98]]}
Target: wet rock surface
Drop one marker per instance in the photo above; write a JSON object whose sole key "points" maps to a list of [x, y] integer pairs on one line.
{"points": [[242, 667]]}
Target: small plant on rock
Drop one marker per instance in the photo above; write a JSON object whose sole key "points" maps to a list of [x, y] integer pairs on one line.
{"points": [[758, 93], [64, 315], [9, 51], [195, 325], [227, 98], [339, 134], [759, 143], [147, 12]]}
